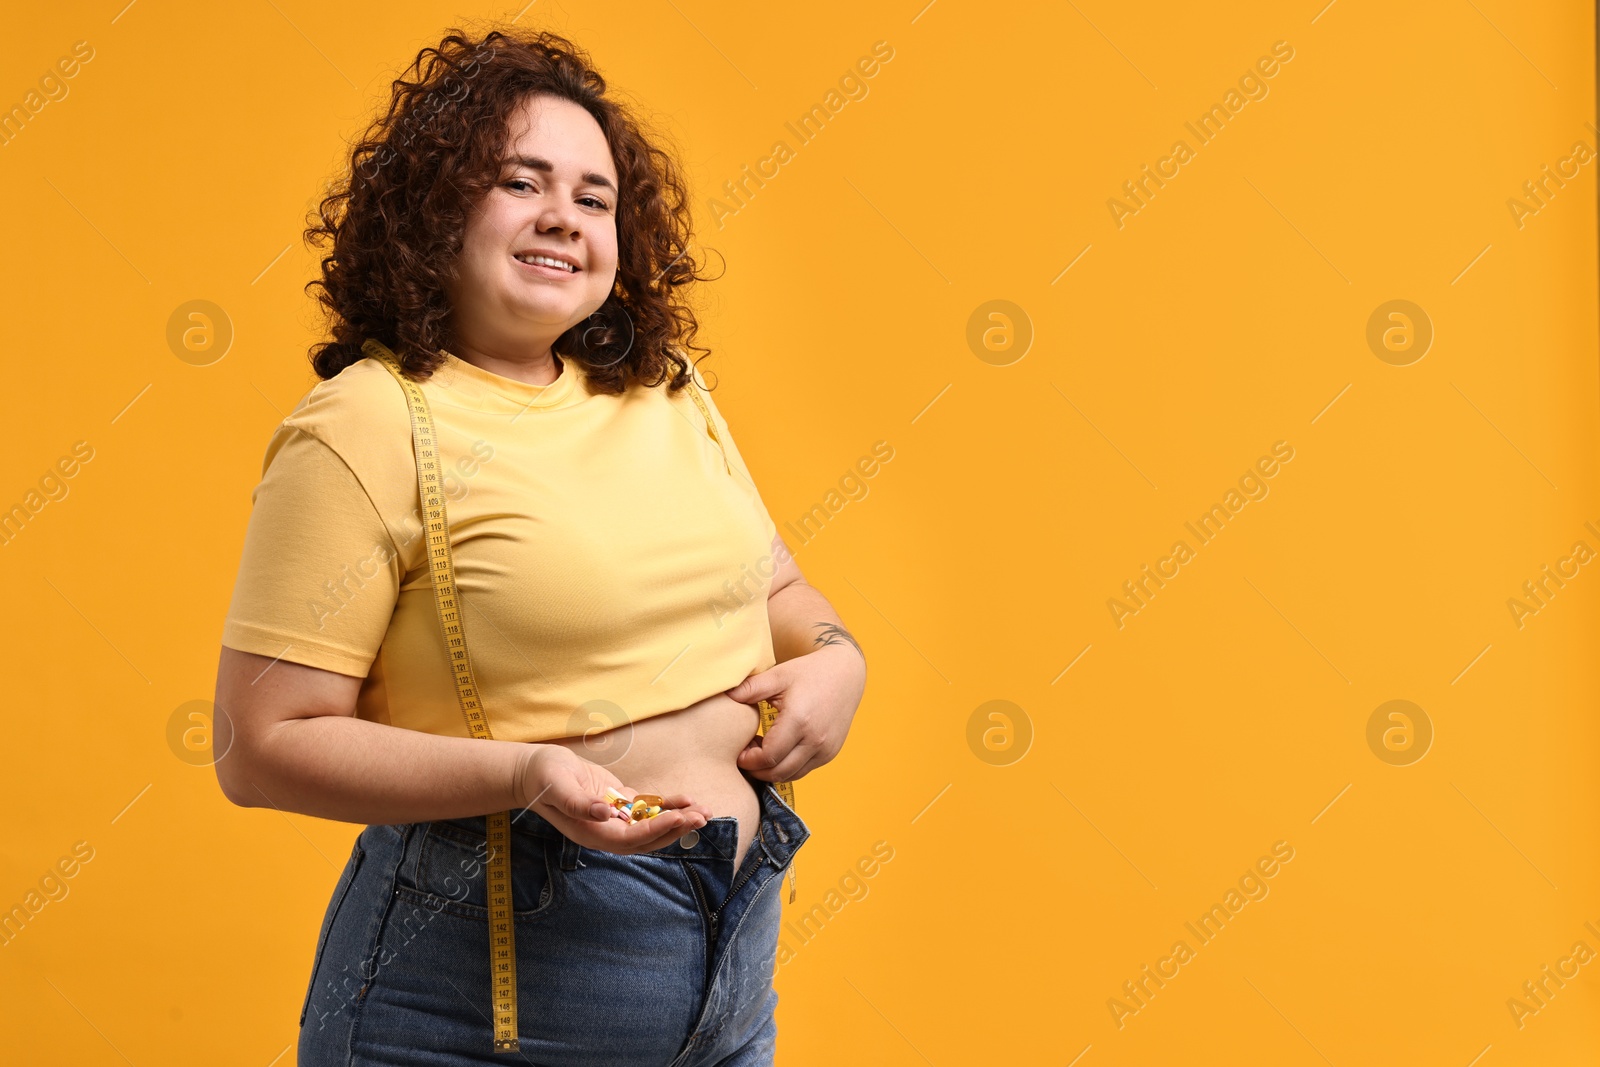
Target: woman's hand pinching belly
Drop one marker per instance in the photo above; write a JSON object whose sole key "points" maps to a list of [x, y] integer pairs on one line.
{"points": [[816, 696], [569, 792]]}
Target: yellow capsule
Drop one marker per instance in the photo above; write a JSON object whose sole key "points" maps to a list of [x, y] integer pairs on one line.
{"points": [[642, 806]]}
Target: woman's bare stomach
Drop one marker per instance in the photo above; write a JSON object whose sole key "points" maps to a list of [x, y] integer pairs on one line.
{"points": [[692, 750]]}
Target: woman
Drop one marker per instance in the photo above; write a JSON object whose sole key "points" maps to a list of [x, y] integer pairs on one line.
{"points": [[513, 241]]}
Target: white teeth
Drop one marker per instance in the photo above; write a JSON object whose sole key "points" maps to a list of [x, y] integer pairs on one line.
{"points": [[547, 262]]}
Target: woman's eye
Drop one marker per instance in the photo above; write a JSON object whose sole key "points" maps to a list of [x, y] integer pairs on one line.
{"points": [[523, 185]]}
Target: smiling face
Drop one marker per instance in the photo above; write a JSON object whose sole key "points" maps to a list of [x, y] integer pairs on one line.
{"points": [[556, 197]]}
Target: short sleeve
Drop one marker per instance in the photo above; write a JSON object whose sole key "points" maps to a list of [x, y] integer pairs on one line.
{"points": [[319, 575], [736, 461]]}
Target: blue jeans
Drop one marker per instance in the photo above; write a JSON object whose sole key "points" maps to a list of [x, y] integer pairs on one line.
{"points": [[661, 958]]}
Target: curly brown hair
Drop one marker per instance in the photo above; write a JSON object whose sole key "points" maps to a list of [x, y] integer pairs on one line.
{"points": [[395, 221]]}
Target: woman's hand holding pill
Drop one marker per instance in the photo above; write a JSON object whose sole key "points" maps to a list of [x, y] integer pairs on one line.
{"points": [[576, 797]]}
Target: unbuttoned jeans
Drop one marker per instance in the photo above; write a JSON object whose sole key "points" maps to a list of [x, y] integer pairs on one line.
{"points": [[658, 959]]}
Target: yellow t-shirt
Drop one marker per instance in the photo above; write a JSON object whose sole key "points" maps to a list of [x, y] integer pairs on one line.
{"points": [[610, 564]]}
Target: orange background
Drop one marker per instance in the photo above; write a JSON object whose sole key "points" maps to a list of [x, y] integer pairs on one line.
{"points": [[1040, 861]]}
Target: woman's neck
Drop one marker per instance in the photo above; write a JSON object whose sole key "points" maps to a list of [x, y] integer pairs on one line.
{"points": [[542, 369]]}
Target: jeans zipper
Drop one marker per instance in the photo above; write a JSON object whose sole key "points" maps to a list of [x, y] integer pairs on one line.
{"points": [[716, 913]]}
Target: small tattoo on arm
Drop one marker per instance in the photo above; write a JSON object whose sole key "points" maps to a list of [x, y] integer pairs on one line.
{"points": [[833, 634]]}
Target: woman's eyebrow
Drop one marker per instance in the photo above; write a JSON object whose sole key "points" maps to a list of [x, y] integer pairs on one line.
{"points": [[544, 165]]}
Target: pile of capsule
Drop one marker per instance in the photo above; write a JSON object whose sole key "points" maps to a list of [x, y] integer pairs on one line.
{"points": [[642, 806]]}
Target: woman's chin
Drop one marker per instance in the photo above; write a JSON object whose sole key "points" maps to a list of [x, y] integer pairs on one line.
{"points": [[549, 311]]}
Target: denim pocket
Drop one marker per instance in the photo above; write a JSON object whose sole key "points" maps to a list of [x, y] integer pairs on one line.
{"points": [[452, 873], [340, 890]]}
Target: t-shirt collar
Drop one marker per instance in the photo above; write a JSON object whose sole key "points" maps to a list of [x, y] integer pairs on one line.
{"points": [[457, 374]]}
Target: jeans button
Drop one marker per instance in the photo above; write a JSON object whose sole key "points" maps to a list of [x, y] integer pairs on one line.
{"points": [[690, 839]]}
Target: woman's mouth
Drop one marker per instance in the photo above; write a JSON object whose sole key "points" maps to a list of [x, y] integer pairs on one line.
{"points": [[546, 266]]}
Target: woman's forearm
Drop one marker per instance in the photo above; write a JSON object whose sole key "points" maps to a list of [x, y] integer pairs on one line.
{"points": [[803, 621], [353, 770]]}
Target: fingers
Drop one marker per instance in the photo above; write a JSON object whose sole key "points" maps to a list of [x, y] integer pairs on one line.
{"points": [[793, 765], [588, 806], [657, 835], [574, 809], [627, 838], [756, 756], [572, 799], [592, 820], [775, 762], [685, 803], [782, 751]]}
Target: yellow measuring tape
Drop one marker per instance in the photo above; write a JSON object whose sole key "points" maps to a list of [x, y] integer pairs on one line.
{"points": [[502, 948], [769, 715]]}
